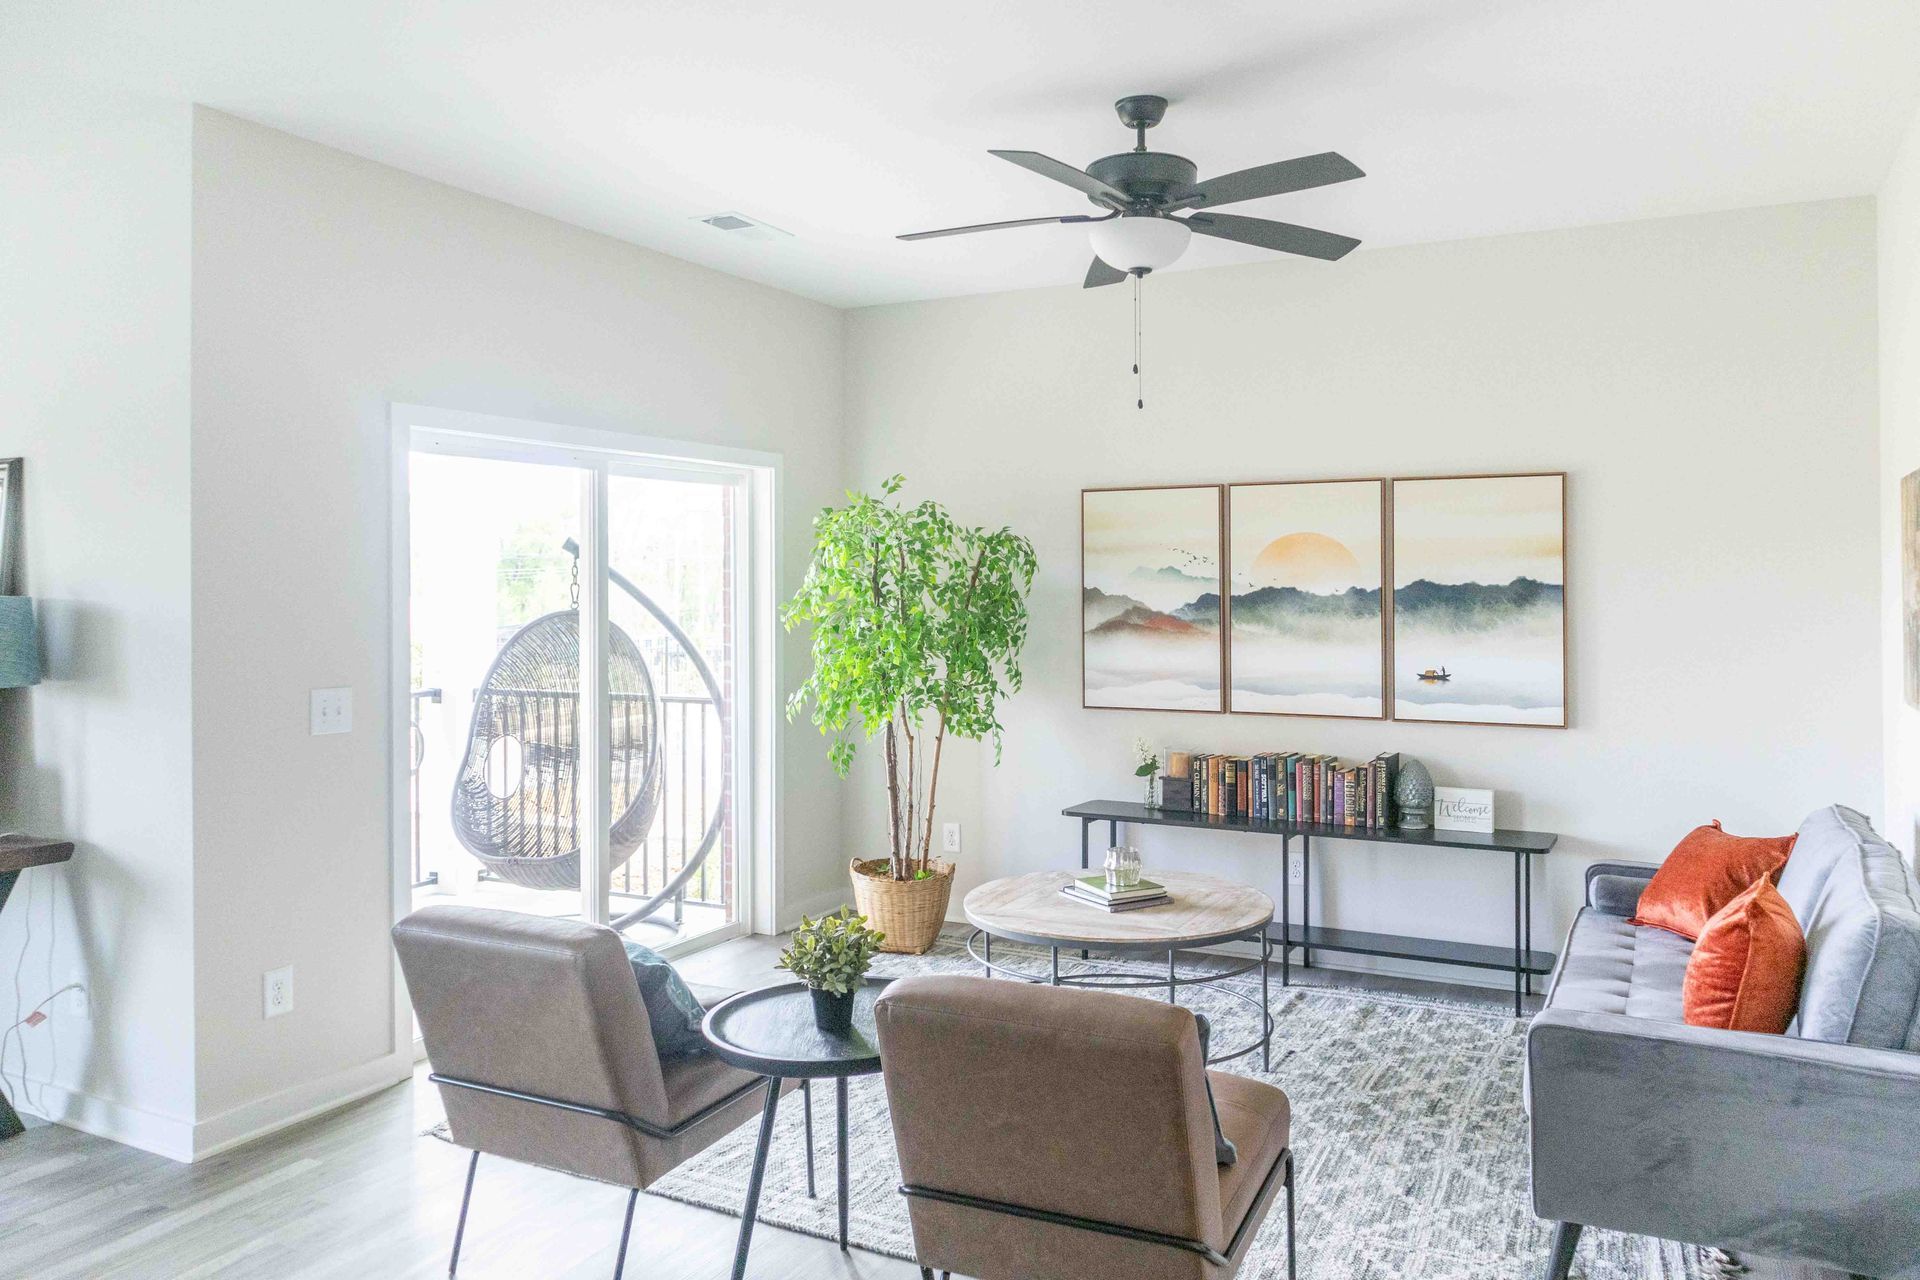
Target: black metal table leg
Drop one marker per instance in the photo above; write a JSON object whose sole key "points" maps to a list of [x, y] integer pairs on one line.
{"points": [[1306, 899], [754, 1179], [986, 945], [1519, 936], [1086, 825], [10, 1122], [1286, 911], [1266, 1008], [1056, 966], [806, 1101], [1528, 916], [840, 1123], [1172, 978]]}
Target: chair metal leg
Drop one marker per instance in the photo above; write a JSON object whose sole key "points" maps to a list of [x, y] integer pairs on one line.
{"points": [[466, 1198], [626, 1230], [806, 1104], [1289, 1160], [926, 1273], [1566, 1239]]}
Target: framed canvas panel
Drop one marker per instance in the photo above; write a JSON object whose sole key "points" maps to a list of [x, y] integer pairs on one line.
{"points": [[1306, 617], [1910, 585], [10, 497], [1479, 600], [1150, 634]]}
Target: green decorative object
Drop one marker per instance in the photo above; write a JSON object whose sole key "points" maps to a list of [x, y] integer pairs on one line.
{"points": [[831, 955], [918, 622], [1413, 796]]}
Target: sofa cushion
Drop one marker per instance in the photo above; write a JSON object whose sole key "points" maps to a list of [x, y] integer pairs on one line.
{"points": [[1744, 974], [1611, 966], [1706, 870], [1855, 899]]}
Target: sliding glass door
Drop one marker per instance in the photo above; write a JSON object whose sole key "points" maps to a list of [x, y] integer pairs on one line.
{"points": [[569, 606]]}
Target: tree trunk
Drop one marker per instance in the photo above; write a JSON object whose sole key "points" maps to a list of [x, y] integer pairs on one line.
{"points": [[893, 806]]}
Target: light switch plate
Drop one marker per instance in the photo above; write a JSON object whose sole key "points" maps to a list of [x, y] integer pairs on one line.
{"points": [[331, 711], [277, 991]]}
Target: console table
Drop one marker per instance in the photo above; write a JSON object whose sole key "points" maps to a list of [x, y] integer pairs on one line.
{"points": [[17, 854], [1523, 846]]}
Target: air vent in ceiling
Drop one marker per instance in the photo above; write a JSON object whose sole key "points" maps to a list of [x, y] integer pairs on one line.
{"points": [[742, 227]]}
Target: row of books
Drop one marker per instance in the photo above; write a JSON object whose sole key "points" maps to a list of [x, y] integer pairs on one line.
{"points": [[1283, 786]]}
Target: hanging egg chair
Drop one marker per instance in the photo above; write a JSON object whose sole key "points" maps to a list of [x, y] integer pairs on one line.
{"points": [[516, 801]]}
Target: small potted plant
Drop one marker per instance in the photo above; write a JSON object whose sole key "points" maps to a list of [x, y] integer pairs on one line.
{"points": [[831, 956], [918, 622]]}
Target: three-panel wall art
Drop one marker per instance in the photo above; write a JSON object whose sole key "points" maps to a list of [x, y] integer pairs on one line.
{"points": [[1431, 598]]}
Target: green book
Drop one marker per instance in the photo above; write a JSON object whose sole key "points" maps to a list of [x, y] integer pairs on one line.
{"points": [[1142, 889]]}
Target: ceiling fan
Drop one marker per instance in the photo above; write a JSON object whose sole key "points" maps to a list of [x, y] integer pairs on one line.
{"points": [[1141, 190]]}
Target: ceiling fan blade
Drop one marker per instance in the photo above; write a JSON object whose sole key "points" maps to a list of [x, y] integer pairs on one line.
{"points": [[1284, 236], [1100, 273], [995, 226], [1061, 171], [1269, 180]]}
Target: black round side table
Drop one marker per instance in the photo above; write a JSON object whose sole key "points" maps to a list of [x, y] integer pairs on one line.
{"points": [[771, 1032]]}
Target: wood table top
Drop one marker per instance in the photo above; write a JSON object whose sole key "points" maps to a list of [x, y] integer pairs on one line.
{"points": [[1205, 909], [17, 853]]}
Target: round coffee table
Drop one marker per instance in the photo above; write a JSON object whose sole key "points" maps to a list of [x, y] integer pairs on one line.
{"points": [[771, 1032], [1206, 911]]}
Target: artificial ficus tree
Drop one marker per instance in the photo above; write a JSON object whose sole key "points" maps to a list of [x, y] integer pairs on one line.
{"points": [[918, 622]]}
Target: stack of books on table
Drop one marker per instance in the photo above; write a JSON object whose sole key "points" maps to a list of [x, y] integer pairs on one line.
{"points": [[1093, 891]]}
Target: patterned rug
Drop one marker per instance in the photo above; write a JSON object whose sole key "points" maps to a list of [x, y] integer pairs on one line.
{"points": [[1407, 1126]]}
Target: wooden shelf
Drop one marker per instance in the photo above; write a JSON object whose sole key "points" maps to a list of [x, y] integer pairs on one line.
{"points": [[1528, 842]]}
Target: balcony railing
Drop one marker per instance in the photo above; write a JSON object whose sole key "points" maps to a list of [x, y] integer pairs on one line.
{"points": [[691, 768]]}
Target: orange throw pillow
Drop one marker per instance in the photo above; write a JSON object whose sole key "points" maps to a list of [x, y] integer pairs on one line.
{"points": [[1706, 871], [1744, 974]]}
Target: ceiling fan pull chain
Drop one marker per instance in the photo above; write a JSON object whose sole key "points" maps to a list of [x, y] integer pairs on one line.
{"points": [[1139, 379]]}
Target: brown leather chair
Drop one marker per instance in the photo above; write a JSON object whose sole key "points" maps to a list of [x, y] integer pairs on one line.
{"points": [[540, 1043], [1048, 1133]]}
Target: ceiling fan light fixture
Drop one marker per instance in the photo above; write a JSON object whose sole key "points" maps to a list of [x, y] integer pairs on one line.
{"points": [[1139, 242]]}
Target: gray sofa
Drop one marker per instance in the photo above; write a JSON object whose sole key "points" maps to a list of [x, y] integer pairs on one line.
{"points": [[1804, 1146]]}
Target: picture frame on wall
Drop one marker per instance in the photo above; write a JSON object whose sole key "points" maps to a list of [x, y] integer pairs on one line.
{"points": [[1306, 601], [1479, 599], [1150, 598], [10, 524]]}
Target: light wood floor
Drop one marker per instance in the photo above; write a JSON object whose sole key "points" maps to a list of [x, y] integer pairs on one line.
{"points": [[358, 1193]]}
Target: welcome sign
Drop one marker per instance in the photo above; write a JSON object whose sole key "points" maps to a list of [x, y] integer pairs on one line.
{"points": [[1462, 809]]}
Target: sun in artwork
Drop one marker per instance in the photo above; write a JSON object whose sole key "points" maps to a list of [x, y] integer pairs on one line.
{"points": [[1307, 561]]}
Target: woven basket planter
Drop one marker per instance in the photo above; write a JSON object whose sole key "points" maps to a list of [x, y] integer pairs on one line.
{"points": [[909, 912]]}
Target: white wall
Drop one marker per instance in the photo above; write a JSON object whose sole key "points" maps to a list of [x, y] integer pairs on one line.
{"points": [[1708, 383], [326, 287], [93, 393], [1899, 260]]}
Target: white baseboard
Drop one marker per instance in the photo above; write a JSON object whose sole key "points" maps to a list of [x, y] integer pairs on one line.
{"points": [[168, 1136], [262, 1116]]}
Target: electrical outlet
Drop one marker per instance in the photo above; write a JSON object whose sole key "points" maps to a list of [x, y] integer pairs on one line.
{"points": [[331, 711], [950, 838], [1296, 869], [278, 993], [77, 1000]]}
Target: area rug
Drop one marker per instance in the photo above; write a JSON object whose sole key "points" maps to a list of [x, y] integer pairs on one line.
{"points": [[1407, 1126]]}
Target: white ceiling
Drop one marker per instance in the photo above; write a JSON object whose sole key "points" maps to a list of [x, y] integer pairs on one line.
{"points": [[846, 122]]}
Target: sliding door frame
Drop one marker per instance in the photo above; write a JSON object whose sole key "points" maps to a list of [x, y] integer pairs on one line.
{"points": [[598, 454]]}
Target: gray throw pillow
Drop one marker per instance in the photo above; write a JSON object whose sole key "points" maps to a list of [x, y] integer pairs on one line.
{"points": [[671, 1008], [1224, 1153]]}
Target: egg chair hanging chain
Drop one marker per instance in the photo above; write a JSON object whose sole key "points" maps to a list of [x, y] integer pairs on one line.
{"points": [[574, 588]]}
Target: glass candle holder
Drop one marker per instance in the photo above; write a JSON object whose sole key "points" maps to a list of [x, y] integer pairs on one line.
{"points": [[1123, 867]]}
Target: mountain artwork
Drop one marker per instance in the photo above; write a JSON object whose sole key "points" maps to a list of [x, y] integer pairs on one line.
{"points": [[1479, 600], [1150, 598], [1306, 628]]}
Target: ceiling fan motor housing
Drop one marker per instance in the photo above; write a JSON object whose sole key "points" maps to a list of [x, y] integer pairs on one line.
{"points": [[1146, 176]]}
